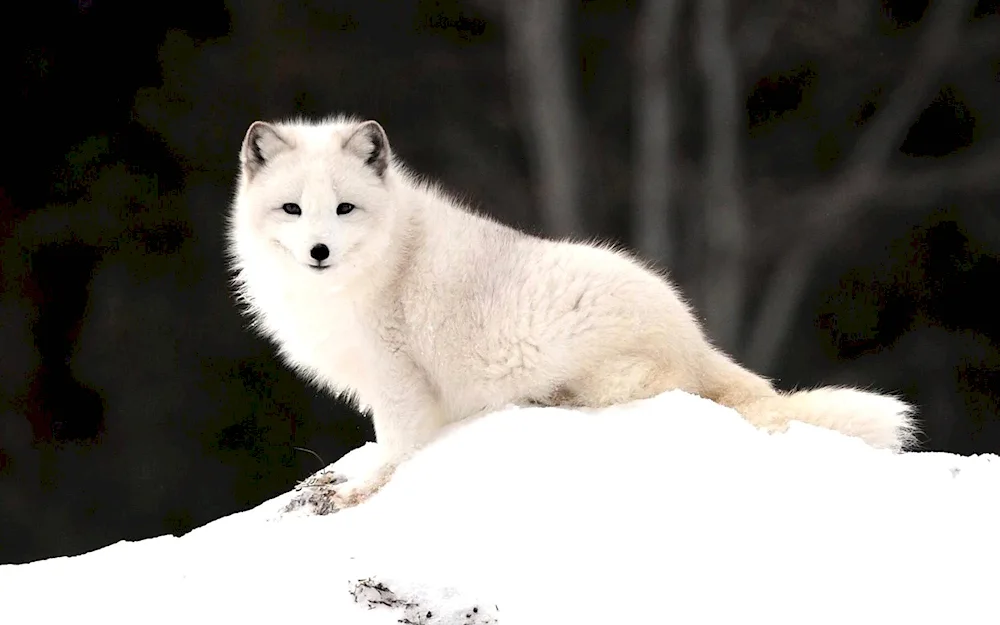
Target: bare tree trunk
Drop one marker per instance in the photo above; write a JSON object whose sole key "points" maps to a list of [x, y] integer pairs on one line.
{"points": [[655, 163], [538, 50], [839, 204], [723, 286]]}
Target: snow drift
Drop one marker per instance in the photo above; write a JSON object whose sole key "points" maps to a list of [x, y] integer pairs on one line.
{"points": [[668, 510]]}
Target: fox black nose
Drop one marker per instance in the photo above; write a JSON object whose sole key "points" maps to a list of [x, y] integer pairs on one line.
{"points": [[320, 252]]}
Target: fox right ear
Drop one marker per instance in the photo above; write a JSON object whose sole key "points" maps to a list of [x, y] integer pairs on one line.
{"points": [[261, 143], [369, 143]]}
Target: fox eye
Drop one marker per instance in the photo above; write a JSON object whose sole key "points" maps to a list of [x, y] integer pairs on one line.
{"points": [[343, 208], [291, 209]]}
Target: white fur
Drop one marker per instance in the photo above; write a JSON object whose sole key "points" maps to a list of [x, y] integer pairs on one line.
{"points": [[429, 313]]}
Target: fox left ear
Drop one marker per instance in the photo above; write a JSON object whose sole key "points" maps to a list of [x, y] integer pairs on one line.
{"points": [[369, 143], [262, 142]]}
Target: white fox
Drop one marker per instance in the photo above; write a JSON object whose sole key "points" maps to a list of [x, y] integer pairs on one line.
{"points": [[373, 282]]}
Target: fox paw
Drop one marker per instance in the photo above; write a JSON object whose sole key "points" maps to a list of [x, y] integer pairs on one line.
{"points": [[318, 493], [422, 606], [329, 490]]}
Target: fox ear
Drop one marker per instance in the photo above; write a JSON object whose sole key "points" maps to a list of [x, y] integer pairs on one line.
{"points": [[261, 143], [369, 143]]}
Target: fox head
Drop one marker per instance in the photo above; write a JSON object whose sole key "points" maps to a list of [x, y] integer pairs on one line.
{"points": [[313, 203]]}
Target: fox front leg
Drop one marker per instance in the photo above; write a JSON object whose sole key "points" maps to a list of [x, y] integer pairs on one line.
{"points": [[407, 415]]}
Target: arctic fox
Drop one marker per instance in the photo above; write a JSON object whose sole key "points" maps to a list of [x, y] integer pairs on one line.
{"points": [[374, 282]]}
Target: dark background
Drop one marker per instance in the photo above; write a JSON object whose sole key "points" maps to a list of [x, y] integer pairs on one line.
{"points": [[821, 177]]}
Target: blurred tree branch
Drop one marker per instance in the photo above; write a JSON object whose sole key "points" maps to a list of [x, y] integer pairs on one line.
{"points": [[979, 171], [656, 171], [835, 206], [139, 212]]}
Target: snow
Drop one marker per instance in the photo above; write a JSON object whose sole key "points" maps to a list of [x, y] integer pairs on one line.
{"points": [[669, 510]]}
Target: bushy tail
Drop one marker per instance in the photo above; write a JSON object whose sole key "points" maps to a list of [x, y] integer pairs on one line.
{"points": [[880, 420]]}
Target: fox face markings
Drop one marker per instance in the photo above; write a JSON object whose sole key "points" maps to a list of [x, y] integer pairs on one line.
{"points": [[291, 208]]}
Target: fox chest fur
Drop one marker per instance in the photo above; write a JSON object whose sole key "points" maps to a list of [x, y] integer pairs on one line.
{"points": [[327, 338]]}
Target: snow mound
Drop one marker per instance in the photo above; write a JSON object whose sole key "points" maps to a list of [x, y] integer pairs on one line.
{"points": [[668, 510]]}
